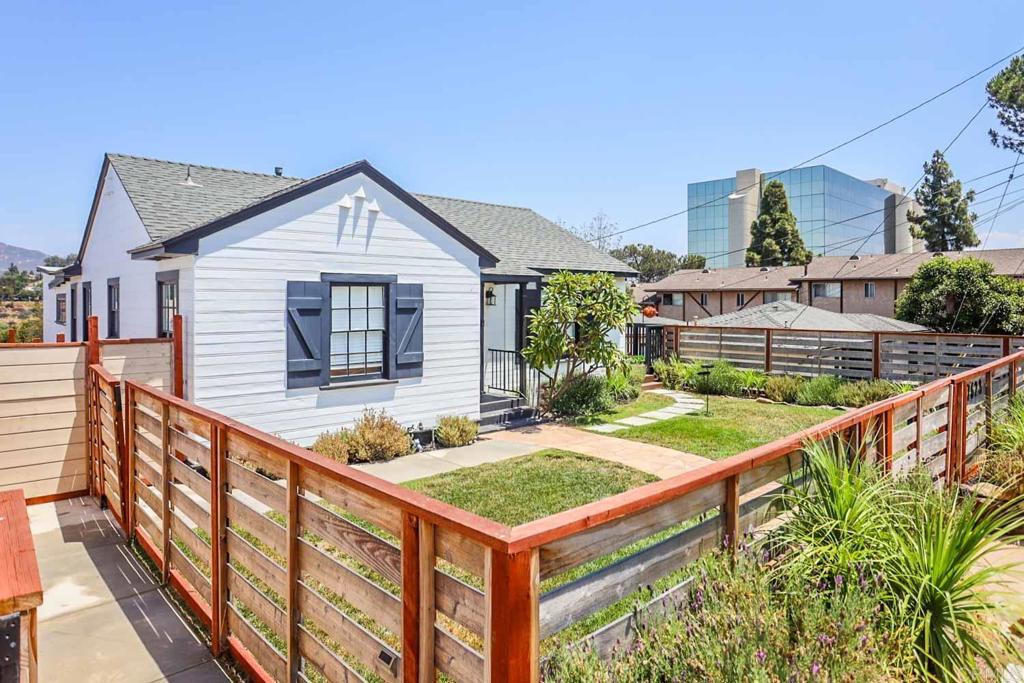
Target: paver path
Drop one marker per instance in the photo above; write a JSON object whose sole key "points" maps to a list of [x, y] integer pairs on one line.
{"points": [[104, 617], [657, 460], [685, 404]]}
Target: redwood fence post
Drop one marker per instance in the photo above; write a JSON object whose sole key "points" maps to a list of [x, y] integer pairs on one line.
{"points": [[731, 512], [179, 371], [411, 654], [512, 628], [876, 355], [1013, 378], [767, 351], [952, 429], [888, 418], [218, 539], [60, 337], [94, 453], [12, 334], [1006, 345]]}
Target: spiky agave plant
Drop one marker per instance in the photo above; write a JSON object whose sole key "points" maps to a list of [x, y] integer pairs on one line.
{"points": [[840, 518], [943, 582]]}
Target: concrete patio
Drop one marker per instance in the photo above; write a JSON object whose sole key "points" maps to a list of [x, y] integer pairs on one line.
{"points": [[104, 618]]}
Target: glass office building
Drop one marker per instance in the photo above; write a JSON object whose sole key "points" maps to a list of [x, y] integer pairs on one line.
{"points": [[836, 213]]}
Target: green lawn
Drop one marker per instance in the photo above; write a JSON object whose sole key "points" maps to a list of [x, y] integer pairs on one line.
{"points": [[532, 486], [735, 425], [644, 404]]}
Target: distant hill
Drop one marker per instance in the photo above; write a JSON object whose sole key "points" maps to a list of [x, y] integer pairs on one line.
{"points": [[25, 259]]}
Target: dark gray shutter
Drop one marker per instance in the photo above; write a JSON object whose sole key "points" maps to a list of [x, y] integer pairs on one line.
{"points": [[305, 311], [531, 302], [405, 335]]}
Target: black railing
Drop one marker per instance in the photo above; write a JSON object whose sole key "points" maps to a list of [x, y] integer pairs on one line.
{"points": [[646, 341], [508, 373]]}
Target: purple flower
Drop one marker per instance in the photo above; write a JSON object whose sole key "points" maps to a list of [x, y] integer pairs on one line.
{"points": [[815, 668], [761, 655], [839, 580]]}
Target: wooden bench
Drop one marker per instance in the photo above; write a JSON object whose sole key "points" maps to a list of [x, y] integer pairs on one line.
{"points": [[21, 590]]}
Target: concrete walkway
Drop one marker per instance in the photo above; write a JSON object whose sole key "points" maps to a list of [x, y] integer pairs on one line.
{"points": [[657, 460], [685, 405], [429, 463], [103, 617]]}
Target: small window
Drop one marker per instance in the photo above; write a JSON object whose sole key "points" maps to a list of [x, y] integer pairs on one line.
{"points": [[741, 298], [704, 298], [166, 302], [358, 331], [827, 290], [73, 326], [113, 308], [62, 309], [772, 297], [677, 298], [869, 290]]}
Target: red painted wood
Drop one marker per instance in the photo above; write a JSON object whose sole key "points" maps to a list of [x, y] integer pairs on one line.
{"points": [[513, 642], [248, 662], [12, 334], [21, 589]]}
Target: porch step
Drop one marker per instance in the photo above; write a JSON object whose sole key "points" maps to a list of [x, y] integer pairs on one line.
{"points": [[650, 382], [493, 402], [529, 418], [505, 416]]}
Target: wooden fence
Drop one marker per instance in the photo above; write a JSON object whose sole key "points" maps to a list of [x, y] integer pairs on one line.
{"points": [[48, 428], [904, 356], [302, 567]]}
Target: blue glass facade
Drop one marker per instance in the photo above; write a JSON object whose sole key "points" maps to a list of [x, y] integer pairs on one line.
{"points": [[829, 206]]}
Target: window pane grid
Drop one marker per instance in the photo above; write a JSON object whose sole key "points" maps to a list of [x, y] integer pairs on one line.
{"points": [[357, 330]]}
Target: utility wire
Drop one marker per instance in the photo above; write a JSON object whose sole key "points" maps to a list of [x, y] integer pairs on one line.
{"points": [[849, 141]]}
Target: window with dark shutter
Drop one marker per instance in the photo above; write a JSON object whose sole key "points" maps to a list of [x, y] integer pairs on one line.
{"points": [[351, 328], [62, 309], [86, 309], [406, 334], [113, 308], [166, 302]]}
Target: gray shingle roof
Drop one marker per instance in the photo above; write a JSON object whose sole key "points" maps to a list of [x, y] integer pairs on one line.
{"points": [[168, 206], [783, 314], [524, 241]]}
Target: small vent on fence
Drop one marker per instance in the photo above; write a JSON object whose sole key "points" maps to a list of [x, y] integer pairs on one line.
{"points": [[388, 659]]}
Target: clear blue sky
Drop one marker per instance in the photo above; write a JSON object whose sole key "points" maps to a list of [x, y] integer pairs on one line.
{"points": [[569, 109]]}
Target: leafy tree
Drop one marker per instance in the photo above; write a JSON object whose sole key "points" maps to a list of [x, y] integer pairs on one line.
{"points": [[692, 262], [1006, 96], [568, 334], [599, 231], [774, 238], [652, 264], [962, 295], [59, 261], [946, 223]]}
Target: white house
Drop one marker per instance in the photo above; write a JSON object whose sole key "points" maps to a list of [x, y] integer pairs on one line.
{"points": [[306, 300]]}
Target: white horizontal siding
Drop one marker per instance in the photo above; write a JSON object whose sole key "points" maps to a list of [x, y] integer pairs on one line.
{"points": [[238, 307]]}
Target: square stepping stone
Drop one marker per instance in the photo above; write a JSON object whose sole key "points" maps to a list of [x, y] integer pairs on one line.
{"points": [[607, 428], [682, 408], [636, 421], [664, 414], [660, 391]]}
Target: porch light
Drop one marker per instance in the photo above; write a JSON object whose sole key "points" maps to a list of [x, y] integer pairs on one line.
{"points": [[490, 298]]}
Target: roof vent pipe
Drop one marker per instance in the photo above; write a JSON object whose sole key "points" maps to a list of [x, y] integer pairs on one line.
{"points": [[279, 171]]}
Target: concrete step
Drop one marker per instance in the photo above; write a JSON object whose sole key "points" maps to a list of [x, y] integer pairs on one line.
{"points": [[505, 416], [647, 386]]}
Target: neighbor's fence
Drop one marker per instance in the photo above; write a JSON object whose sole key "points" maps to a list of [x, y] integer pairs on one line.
{"points": [[48, 430], [299, 564], [904, 356]]}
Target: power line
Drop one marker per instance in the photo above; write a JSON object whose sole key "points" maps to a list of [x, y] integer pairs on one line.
{"points": [[859, 136]]}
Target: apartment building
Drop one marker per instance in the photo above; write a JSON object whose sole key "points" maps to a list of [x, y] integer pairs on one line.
{"points": [[868, 283]]}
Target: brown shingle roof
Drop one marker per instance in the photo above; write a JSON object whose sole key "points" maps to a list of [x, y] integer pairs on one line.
{"points": [[728, 279], [900, 266]]}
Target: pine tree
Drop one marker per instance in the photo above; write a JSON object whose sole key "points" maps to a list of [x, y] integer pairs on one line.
{"points": [[946, 222], [774, 238], [1006, 96]]}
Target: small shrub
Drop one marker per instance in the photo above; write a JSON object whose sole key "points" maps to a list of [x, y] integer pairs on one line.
{"points": [[334, 445], [378, 436], [1003, 464], [752, 382], [623, 385], [455, 430], [867, 391], [668, 373], [721, 380], [783, 388], [587, 395], [819, 391]]}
